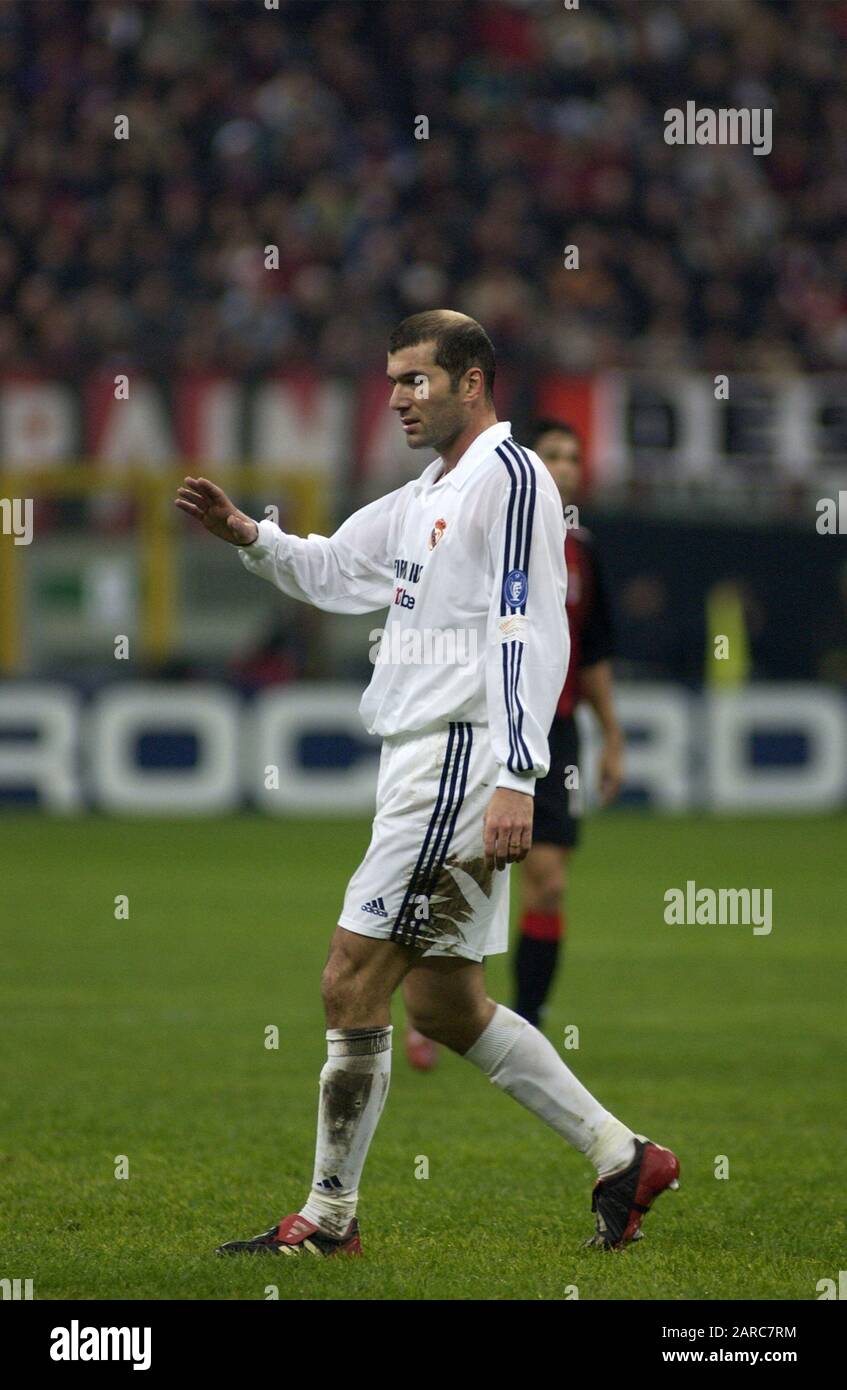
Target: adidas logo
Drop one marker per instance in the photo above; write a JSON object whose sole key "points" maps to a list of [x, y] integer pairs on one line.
{"points": [[376, 906]]}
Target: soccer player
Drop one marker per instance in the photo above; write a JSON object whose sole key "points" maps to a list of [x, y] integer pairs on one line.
{"points": [[555, 830], [473, 547], [555, 833]]}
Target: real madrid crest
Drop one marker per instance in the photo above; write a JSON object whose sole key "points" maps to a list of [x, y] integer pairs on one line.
{"points": [[437, 532]]}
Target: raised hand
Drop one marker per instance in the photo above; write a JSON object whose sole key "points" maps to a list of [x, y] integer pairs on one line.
{"points": [[210, 504]]}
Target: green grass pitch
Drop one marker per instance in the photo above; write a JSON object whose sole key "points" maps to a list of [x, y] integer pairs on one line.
{"points": [[145, 1038]]}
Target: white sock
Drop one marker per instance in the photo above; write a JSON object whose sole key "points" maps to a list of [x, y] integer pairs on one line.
{"points": [[522, 1062], [354, 1084]]}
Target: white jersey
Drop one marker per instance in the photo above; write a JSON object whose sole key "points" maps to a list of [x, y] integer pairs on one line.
{"points": [[471, 567]]}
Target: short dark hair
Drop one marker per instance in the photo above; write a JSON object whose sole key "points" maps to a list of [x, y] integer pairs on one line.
{"points": [[460, 343], [539, 427]]}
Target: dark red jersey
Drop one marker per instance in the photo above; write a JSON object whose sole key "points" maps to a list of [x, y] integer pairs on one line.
{"points": [[588, 612]]}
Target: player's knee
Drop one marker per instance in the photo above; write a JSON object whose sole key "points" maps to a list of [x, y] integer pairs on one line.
{"points": [[551, 894], [543, 879], [353, 992], [545, 891], [338, 987]]}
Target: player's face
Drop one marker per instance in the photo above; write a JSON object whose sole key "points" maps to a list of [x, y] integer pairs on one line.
{"points": [[561, 453], [431, 413]]}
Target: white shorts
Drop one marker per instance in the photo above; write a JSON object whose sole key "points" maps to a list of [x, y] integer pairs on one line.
{"points": [[423, 881]]}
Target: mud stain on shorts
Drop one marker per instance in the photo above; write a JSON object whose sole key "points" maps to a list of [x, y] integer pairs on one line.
{"points": [[459, 889]]}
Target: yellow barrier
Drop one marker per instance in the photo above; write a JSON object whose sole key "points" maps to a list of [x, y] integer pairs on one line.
{"points": [[306, 494]]}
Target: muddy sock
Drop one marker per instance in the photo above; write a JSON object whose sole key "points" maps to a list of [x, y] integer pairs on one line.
{"points": [[354, 1084]]}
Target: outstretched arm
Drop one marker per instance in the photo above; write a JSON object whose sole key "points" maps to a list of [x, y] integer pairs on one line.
{"points": [[348, 572]]}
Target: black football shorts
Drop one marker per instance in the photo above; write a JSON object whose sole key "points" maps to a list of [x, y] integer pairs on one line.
{"points": [[557, 805]]}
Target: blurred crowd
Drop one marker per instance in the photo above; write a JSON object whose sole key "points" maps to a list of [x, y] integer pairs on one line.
{"points": [[253, 126]]}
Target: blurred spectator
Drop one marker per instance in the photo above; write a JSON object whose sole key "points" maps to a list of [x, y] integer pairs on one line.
{"points": [[295, 127]]}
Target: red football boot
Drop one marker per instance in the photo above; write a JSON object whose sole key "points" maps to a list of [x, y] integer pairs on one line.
{"points": [[296, 1236], [623, 1200]]}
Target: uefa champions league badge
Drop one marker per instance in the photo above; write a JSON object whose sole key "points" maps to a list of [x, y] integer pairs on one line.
{"points": [[515, 587]]}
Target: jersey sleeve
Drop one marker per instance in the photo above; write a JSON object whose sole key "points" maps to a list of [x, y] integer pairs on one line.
{"points": [[348, 572], [528, 641]]}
